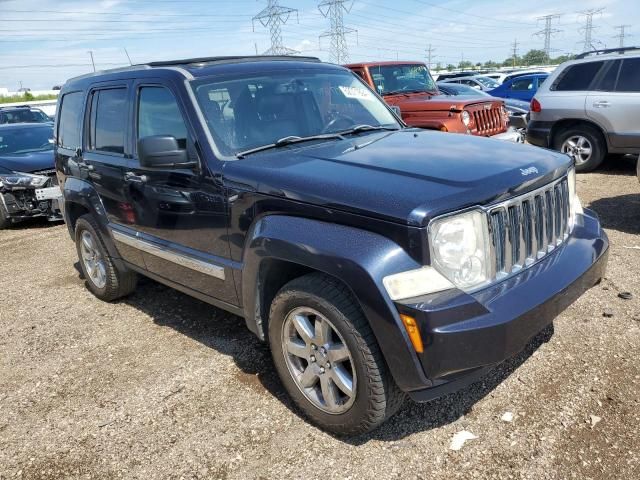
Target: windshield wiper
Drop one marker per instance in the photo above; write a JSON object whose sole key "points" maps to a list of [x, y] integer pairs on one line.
{"points": [[366, 128], [290, 140]]}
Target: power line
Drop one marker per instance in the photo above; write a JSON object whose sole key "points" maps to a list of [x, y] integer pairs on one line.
{"points": [[334, 10], [514, 56], [547, 32], [588, 28], [622, 33], [274, 16]]}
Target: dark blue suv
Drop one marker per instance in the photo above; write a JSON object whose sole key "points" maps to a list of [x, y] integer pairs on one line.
{"points": [[377, 260]]}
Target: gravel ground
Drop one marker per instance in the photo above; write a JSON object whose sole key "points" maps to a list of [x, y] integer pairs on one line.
{"points": [[163, 386]]}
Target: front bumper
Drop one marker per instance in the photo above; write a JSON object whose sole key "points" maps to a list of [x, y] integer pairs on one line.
{"points": [[511, 135], [21, 204], [465, 333]]}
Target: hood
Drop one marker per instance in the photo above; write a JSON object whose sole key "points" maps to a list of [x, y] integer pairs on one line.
{"points": [[515, 103], [28, 162], [420, 102], [407, 177]]}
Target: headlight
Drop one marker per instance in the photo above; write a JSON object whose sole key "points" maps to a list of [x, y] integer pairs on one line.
{"points": [[466, 118], [575, 207], [460, 248], [18, 179]]}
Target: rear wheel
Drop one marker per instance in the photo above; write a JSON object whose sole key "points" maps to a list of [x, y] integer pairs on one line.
{"points": [[328, 358], [584, 144], [105, 280]]}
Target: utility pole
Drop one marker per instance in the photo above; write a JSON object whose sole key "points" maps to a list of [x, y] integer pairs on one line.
{"points": [[588, 28], [92, 62], [622, 33], [547, 32], [274, 16], [514, 45], [334, 10], [430, 55]]}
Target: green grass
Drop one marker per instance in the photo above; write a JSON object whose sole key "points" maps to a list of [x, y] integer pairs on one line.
{"points": [[27, 97]]}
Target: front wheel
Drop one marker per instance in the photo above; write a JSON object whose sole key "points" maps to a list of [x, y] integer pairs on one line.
{"points": [[328, 358], [5, 221]]}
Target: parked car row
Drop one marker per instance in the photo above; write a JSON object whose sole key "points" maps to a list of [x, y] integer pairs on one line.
{"points": [[377, 261]]}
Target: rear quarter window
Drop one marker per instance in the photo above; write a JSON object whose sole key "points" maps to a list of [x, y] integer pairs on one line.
{"points": [[69, 122], [577, 77]]}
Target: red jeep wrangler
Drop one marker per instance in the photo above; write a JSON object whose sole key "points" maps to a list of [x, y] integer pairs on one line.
{"points": [[410, 87]]}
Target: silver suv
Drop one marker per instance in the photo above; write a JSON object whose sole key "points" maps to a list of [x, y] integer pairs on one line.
{"points": [[589, 107]]}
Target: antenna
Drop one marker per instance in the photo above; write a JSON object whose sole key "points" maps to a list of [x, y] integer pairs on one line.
{"points": [[127, 54], [274, 16], [334, 10], [90, 52]]}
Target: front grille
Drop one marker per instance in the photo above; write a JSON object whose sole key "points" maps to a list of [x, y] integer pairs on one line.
{"points": [[526, 228], [488, 121]]}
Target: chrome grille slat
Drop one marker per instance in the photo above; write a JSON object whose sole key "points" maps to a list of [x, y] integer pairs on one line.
{"points": [[526, 228]]}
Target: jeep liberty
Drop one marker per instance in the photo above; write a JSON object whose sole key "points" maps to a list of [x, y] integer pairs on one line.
{"points": [[377, 261]]}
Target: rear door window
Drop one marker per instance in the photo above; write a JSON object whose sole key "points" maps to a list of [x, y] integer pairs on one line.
{"points": [[69, 121], [608, 81], [108, 120], [577, 77], [522, 84], [629, 78]]}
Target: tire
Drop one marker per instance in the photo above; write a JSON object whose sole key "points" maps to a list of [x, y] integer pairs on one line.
{"points": [[573, 142], [5, 221], [375, 396], [110, 283]]}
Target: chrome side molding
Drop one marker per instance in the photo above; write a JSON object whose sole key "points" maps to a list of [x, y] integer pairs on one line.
{"points": [[179, 259]]}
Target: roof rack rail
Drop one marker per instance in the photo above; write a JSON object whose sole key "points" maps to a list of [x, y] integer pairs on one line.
{"points": [[605, 51], [191, 61]]}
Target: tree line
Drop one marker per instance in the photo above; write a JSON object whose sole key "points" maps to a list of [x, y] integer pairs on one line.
{"points": [[532, 57]]}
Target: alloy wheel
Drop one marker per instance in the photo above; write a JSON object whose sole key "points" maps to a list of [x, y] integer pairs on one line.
{"points": [[92, 259], [578, 147], [319, 360]]}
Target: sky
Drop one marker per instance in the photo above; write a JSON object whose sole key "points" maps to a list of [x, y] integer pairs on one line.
{"points": [[44, 42]]}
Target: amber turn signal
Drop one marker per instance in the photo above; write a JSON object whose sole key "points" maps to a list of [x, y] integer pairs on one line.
{"points": [[411, 326]]}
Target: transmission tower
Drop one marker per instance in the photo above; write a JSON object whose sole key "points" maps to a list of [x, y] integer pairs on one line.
{"points": [[547, 32], [588, 28], [273, 17], [514, 55], [334, 10], [430, 55], [622, 33]]}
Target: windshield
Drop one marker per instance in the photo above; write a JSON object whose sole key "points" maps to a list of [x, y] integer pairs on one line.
{"points": [[487, 82], [458, 89], [253, 111], [24, 140], [402, 78]]}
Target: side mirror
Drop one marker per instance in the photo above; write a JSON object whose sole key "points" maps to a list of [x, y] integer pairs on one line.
{"points": [[396, 110], [162, 151]]}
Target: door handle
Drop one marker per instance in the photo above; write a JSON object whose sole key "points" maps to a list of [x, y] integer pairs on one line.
{"points": [[601, 103], [133, 178]]}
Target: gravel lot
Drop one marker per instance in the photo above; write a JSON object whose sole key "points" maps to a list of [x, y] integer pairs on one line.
{"points": [[163, 386]]}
